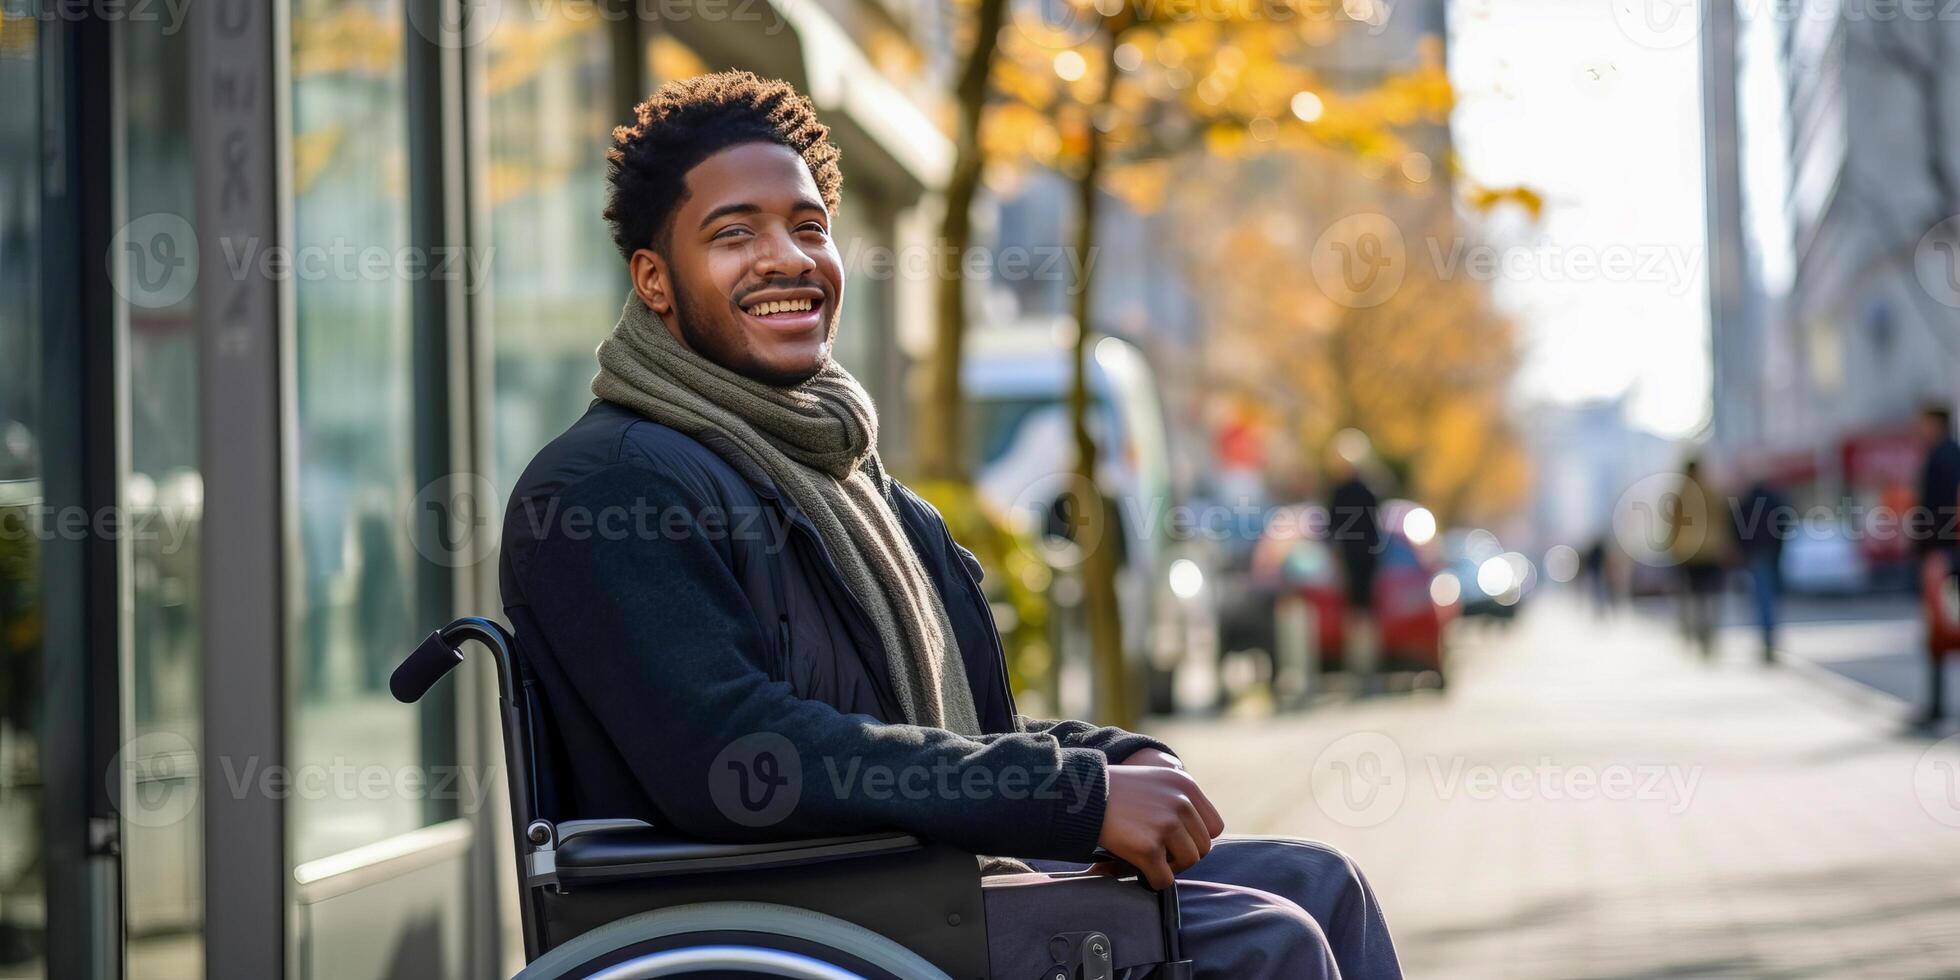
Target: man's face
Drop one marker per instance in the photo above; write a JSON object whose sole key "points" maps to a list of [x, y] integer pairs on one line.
{"points": [[750, 278]]}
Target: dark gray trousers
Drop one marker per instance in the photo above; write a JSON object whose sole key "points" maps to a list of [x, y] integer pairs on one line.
{"points": [[1273, 908]]}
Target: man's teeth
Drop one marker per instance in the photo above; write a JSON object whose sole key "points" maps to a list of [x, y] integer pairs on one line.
{"points": [[780, 306]]}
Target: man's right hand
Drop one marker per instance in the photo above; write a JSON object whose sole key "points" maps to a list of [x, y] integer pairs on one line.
{"points": [[1158, 820]]}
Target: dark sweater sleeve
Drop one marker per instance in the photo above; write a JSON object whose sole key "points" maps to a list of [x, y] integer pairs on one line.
{"points": [[1114, 743], [659, 641]]}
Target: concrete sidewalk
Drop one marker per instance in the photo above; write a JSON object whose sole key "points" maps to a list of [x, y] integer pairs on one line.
{"points": [[1588, 801]]}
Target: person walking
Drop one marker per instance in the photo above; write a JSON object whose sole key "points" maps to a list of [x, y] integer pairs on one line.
{"points": [[1354, 524], [1936, 539], [1597, 565], [1759, 529], [1698, 544]]}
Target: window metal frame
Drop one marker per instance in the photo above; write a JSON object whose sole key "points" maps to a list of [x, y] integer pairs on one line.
{"points": [[240, 145], [81, 644]]}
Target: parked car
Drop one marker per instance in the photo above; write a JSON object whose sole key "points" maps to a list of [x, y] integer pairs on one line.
{"points": [[1819, 557], [1479, 578], [1295, 557]]}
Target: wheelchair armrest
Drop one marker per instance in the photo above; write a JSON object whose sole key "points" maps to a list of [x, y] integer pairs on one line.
{"points": [[633, 850]]}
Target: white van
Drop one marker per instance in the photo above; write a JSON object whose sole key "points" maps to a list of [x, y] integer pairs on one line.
{"points": [[1017, 382]]}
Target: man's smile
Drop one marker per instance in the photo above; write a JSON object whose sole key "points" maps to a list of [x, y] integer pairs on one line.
{"points": [[787, 310]]}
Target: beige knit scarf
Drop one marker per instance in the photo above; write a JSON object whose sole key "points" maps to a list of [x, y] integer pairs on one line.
{"points": [[817, 442]]}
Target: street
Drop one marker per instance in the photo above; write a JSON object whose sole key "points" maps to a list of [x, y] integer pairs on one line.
{"points": [[1873, 641], [1587, 799]]}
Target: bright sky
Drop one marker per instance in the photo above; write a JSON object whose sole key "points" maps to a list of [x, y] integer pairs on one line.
{"points": [[1601, 113]]}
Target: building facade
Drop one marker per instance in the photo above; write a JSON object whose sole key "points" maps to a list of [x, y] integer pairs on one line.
{"points": [[289, 293], [1821, 382]]}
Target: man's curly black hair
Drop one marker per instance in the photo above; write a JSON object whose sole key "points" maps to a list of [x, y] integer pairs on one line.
{"points": [[690, 120]]}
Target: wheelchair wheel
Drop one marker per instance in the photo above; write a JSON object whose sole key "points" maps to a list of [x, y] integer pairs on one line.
{"points": [[731, 939]]}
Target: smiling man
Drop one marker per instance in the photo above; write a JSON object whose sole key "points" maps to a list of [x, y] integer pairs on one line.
{"points": [[738, 618]]}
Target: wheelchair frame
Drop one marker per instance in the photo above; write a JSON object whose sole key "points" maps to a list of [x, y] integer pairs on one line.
{"points": [[578, 875]]}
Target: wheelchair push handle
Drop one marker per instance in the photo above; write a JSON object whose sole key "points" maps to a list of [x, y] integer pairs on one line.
{"points": [[443, 650], [423, 668]]}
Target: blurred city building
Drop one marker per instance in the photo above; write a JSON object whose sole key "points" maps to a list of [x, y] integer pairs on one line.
{"points": [[1841, 314], [1588, 457], [1734, 284]]}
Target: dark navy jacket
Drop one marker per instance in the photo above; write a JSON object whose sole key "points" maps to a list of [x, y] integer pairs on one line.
{"points": [[706, 669]]}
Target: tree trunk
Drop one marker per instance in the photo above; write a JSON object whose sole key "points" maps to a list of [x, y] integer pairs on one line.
{"points": [[939, 444], [1090, 513]]}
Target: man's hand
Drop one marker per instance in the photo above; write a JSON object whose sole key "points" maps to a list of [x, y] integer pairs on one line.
{"points": [[1158, 820]]}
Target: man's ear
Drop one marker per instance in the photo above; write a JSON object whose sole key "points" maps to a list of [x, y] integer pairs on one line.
{"points": [[653, 280]]}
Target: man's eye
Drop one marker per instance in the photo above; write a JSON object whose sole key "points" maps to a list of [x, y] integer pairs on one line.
{"points": [[813, 226], [731, 231]]}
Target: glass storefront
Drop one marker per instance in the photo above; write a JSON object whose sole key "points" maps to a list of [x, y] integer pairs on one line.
{"points": [[22, 902], [556, 284], [363, 595], [373, 389], [163, 859]]}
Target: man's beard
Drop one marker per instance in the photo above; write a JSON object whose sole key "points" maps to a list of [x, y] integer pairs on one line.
{"points": [[727, 348]]}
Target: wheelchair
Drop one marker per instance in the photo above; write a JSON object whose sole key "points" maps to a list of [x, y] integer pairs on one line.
{"points": [[614, 898]]}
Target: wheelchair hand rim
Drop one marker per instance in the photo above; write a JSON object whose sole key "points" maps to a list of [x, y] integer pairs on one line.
{"points": [[757, 960]]}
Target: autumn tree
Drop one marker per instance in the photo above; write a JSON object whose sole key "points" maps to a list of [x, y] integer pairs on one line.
{"points": [[1358, 304], [1114, 93]]}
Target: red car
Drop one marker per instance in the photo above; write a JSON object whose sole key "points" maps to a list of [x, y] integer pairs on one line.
{"points": [[1294, 556]]}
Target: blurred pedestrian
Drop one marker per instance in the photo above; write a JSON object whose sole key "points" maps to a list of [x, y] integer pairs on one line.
{"points": [[1698, 544], [1354, 524], [1599, 577], [1759, 531], [1937, 541]]}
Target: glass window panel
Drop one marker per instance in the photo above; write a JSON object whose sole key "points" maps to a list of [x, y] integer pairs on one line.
{"points": [[363, 593], [163, 858], [556, 280], [23, 907]]}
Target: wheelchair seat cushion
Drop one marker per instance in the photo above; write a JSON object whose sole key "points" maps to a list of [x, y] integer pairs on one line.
{"points": [[639, 852]]}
